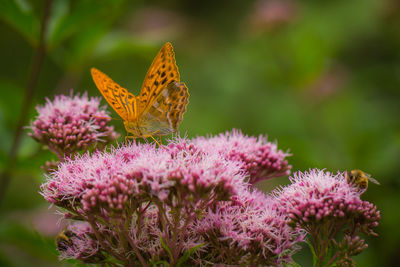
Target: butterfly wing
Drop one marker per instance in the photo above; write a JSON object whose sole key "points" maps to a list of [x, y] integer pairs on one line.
{"points": [[122, 101], [164, 114], [161, 73]]}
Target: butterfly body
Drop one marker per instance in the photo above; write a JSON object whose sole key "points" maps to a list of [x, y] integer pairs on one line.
{"points": [[159, 108]]}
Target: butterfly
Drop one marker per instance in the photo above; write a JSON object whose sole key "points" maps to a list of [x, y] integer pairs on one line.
{"points": [[159, 108]]}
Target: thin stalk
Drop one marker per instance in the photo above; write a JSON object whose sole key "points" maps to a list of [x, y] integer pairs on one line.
{"points": [[99, 238], [136, 249], [35, 69], [333, 259], [175, 233]]}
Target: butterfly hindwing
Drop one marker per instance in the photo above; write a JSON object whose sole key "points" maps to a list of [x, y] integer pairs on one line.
{"points": [[122, 101], [166, 111], [161, 73]]}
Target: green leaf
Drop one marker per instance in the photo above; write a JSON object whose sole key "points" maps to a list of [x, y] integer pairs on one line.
{"points": [[11, 95], [166, 247], [82, 15], [19, 15], [292, 264], [121, 43], [28, 242], [187, 254], [310, 245], [59, 12], [83, 45]]}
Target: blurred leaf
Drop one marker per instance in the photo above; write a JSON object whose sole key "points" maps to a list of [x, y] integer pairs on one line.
{"points": [[11, 96], [83, 45], [29, 147], [82, 15], [121, 44], [29, 248], [5, 137], [59, 12], [19, 14], [22, 193], [10, 103], [187, 255]]}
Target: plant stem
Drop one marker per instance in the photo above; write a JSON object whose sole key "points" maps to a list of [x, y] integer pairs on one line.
{"points": [[333, 259], [136, 249], [109, 249], [36, 67]]}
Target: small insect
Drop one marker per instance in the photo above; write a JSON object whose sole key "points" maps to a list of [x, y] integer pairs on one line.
{"points": [[359, 179], [159, 108], [63, 240]]}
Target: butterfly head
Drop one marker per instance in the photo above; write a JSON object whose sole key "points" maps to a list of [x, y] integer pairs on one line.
{"points": [[133, 128]]}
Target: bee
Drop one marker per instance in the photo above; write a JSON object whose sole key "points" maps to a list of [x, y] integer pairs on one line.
{"points": [[63, 240], [359, 179]]}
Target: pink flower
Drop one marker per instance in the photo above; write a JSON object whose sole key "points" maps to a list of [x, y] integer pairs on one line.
{"points": [[77, 242], [247, 230], [259, 158], [69, 124], [317, 196], [110, 181], [327, 207], [139, 194]]}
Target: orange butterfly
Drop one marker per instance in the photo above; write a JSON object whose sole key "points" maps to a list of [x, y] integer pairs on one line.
{"points": [[159, 108]]}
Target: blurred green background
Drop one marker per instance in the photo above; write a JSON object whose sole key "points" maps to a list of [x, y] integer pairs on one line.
{"points": [[322, 78]]}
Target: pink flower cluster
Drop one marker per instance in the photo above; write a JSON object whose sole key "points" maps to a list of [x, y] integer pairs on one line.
{"points": [[190, 202], [107, 182], [248, 230], [78, 242], [326, 206], [317, 197], [69, 124], [260, 159], [146, 204]]}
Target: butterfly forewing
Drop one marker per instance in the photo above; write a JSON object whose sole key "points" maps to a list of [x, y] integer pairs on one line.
{"points": [[161, 73], [122, 101], [166, 111]]}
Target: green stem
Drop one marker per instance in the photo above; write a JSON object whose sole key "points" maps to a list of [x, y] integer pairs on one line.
{"points": [[101, 241], [35, 69], [333, 259], [136, 249]]}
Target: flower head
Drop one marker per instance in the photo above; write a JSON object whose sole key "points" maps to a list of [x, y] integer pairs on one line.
{"points": [[317, 197], [70, 124], [251, 229], [259, 158], [113, 180], [328, 208], [161, 191], [76, 242]]}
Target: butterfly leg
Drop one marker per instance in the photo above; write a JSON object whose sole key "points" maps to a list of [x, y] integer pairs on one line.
{"points": [[153, 133], [155, 140]]}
